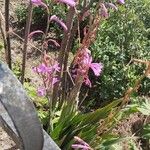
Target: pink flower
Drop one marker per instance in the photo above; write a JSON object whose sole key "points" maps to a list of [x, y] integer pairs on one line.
{"points": [[121, 1], [55, 18], [111, 5], [97, 68], [35, 32], [68, 2], [47, 72], [42, 68], [36, 2], [51, 40], [39, 3], [56, 67], [79, 146], [83, 61], [54, 80], [104, 11], [41, 91], [87, 82], [82, 144], [78, 139]]}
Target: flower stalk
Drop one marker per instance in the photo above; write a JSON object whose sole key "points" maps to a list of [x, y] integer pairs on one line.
{"points": [[25, 46], [63, 52], [7, 44]]}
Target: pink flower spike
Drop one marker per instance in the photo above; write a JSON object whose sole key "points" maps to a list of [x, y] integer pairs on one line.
{"points": [[34, 69], [55, 80], [111, 5], [39, 3], [42, 69], [35, 32], [41, 91], [56, 67], [79, 146], [87, 82], [54, 41], [68, 2], [121, 1], [80, 141], [104, 11], [97, 68], [36, 2], [55, 18]]}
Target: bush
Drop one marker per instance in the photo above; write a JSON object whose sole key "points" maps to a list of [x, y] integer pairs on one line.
{"points": [[125, 35]]}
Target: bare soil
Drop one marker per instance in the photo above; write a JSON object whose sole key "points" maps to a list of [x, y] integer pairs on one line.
{"points": [[6, 143]]}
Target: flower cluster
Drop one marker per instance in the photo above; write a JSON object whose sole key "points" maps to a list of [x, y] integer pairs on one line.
{"points": [[81, 144], [47, 71], [104, 8], [71, 3], [83, 61], [55, 18], [121, 1]]}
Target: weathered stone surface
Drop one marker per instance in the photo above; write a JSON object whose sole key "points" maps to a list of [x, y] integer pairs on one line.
{"points": [[21, 117]]}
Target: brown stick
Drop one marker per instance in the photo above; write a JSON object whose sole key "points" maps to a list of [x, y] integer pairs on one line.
{"points": [[27, 31], [64, 44], [7, 46], [3, 33]]}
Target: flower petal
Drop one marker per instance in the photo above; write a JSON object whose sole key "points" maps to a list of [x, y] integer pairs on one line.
{"points": [[121, 1], [41, 91], [87, 82], [36, 2], [55, 18], [68, 2], [80, 141], [54, 80], [77, 146], [97, 68], [104, 11]]}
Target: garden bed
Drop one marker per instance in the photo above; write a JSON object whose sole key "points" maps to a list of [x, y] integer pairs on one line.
{"points": [[128, 127]]}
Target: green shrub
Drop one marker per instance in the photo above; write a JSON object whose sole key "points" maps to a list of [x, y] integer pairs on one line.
{"points": [[125, 35], [39, 15]]}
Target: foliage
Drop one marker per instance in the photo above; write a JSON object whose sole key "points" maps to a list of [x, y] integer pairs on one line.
{"points": [[146, 131], [1, 46], [21, 14], [144, 108], [40, 103], [72, 123], [16, 69], [39, 16], [123, 36]]}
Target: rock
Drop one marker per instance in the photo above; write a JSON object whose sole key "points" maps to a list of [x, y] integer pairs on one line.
{"points": [[21, 121]]}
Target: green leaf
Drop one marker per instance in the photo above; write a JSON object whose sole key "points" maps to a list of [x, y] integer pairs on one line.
{"points": [[144, 108], [101, 113], [146, 131]]}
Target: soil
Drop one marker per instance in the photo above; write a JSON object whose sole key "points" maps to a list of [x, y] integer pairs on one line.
{"points": [[128, 127], [6, 143]]}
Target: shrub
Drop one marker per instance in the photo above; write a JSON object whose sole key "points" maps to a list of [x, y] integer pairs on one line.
{"points": [[125, 35]]}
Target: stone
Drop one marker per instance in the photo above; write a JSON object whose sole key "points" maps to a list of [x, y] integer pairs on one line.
{"points": [[18, 115]]}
